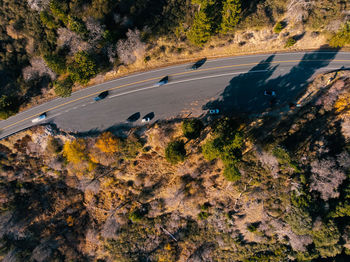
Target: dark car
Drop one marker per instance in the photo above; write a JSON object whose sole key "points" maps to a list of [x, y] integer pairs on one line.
{"points": [[198, 64], [269, 93], [103, 95], [162, 81]]}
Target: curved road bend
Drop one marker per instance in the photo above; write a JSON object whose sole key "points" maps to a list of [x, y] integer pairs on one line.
{"points": [[234, 83]]}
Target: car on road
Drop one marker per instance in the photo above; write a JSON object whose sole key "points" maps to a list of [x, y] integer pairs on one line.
{"points": [[39, 118], [198, 64], [163, 81], [146, 120], [214, 111], [269, 93], [101, 96]]}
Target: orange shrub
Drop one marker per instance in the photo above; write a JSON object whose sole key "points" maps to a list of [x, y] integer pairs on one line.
{"points": [[75, 151], [108, 143], [342, 105]]}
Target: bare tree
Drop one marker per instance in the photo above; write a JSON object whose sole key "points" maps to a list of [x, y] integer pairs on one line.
{"points": [[95, 30], [272, 226], [326, 178], [268, 160], [328, 99], [38, 5], [71, 40], [111, 53], [110, 228], [343, 160], [298, 10], [345, 127], [38, 68], [132, 48]]}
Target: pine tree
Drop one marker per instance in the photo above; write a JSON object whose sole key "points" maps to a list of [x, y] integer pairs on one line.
{"points": [[200, 31], [230, 15]]}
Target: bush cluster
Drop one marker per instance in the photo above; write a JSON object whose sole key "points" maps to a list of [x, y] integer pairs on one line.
{"points": [[175, 152], [226, 145], [192, 128], [63, 87], [342, 37], [290, 42]]}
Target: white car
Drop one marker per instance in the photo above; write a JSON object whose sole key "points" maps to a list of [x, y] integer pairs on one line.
{"points": [[214, 111], [39, 118], [146, 120]]}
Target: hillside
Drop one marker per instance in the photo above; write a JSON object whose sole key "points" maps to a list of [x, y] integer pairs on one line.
{"points": [[272, 188], [50, 48]]}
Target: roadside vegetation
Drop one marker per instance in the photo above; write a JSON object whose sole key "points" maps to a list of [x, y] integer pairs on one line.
{"points": [[64, 44], [175, 188]]}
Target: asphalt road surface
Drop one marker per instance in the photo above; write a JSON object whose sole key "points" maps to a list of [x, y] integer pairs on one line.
{"points": [[234, 84]]}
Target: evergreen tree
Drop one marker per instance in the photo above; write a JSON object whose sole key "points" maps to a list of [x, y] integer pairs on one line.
{"points": [[200, 31], [83, 68], [230, 15]]}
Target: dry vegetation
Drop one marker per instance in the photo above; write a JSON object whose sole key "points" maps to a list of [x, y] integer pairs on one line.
{"points": [[118, 198]]}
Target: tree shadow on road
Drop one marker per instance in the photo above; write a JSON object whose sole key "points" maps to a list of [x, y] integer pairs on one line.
{"points": [[244, 96], [245, 92]]}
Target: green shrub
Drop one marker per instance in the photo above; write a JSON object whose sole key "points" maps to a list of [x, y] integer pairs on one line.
{"points": [[59, 10], [231, 173], [82, 68], [284, 159], [131, 147], [56, 62], [8, 106], [278, 27], [290, 42], [326, 239], [63, 88], [175, 152], [135, 216], [211, 149], [77, 25], [253, 227], [203, 215], [342, 210], [48, 20], [300, 221], [342, 37], [138, 214], [191, 128]]}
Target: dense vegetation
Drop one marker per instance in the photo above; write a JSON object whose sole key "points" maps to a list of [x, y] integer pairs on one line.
{"points": [[51, 43]]}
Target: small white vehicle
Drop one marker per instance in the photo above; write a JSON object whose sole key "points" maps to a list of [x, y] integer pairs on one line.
{"points": [[39, 118], [146, 120], [214, 111]]}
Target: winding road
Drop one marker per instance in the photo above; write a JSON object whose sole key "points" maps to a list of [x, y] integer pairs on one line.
{"points": [[233, 84]]}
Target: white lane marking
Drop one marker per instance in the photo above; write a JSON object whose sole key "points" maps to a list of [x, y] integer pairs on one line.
{"points": [[205, 77], [187, 80], [54, 115], [186, 64], [134, 91]]}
